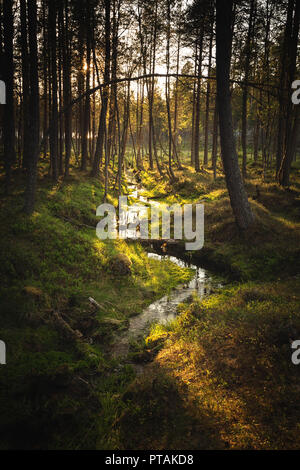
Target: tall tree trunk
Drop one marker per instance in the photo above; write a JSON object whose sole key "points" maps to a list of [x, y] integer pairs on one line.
{"points": [[67, 86], [283, 86], [113, 94], [170, 136], [245, 88], [215, 141], [9, 121], [54, 105], [87, 103], [124, 138], [45, 80], [256, 134], [290, 137], [60, 90], [140, 119], [102, 124], [194, 110], [197, 105], [291, 148], [205, 160], [167, 90], [34, 111], [25, 83], [152, 134], [175, 129], [148, 82], [238, 197]]}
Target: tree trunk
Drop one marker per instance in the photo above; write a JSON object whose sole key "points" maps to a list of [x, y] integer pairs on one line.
{"points": [[205, 159], [113, 95], [283, 86], [167, 90], [34, 105], [245, 88], [54, 105], [102, 123], [67, 86], [9, 121], [238, 197], [197, 106], [25, 83], [215, 141], [45, 80], [87, 104], [290, 138]]}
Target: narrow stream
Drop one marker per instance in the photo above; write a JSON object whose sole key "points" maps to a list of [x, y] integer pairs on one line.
{"points": [[165, 309]]}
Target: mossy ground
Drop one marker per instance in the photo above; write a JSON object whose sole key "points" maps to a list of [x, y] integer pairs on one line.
{"points": [[223, 376], [57, 392]]}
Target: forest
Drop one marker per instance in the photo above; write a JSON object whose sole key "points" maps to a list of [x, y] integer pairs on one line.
{"points": [[134, 343]]}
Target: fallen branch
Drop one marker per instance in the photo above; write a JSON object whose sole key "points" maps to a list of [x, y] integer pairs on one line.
{"points": [[74, 222], [64, 328]]}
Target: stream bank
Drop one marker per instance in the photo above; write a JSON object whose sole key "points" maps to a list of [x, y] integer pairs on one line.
{"points": [[165, 309]]}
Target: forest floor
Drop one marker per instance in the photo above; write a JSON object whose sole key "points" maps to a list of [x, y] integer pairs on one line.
{"points": [[60, 388], [221, 376]]}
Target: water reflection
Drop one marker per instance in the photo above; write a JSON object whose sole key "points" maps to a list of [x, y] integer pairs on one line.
{"points": [[165, 309]]}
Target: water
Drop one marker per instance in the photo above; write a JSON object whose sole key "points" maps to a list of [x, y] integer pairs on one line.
{"points": [[165, 309]]}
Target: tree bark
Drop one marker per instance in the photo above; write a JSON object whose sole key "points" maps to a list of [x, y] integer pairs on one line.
{"points": [[290, 138], [245, 89], [197, 106], [67, 86], [34, 108], [25, 83], [102, 124], [167, 90], [9, 121], [283, 87], [205, 159], [87, 104], [53, 74], [238, 197], [215, 141]]}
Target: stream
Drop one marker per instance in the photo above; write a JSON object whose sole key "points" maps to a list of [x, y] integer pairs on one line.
{"points": [[165, 309]]}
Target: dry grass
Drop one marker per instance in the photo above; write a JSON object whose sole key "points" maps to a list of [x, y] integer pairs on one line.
{"points": [[228, 362]]}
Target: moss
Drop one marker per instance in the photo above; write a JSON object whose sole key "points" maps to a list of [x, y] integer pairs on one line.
{"points": [[228, 359], [53, 391], [224, 365]]}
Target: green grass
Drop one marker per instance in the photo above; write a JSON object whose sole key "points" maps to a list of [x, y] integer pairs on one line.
{"points": [[221, 374], [270, 249], [55, 390], [223, 367]]}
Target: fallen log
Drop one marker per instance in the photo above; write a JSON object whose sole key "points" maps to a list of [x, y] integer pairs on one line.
{"points": [[64, 328]]}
